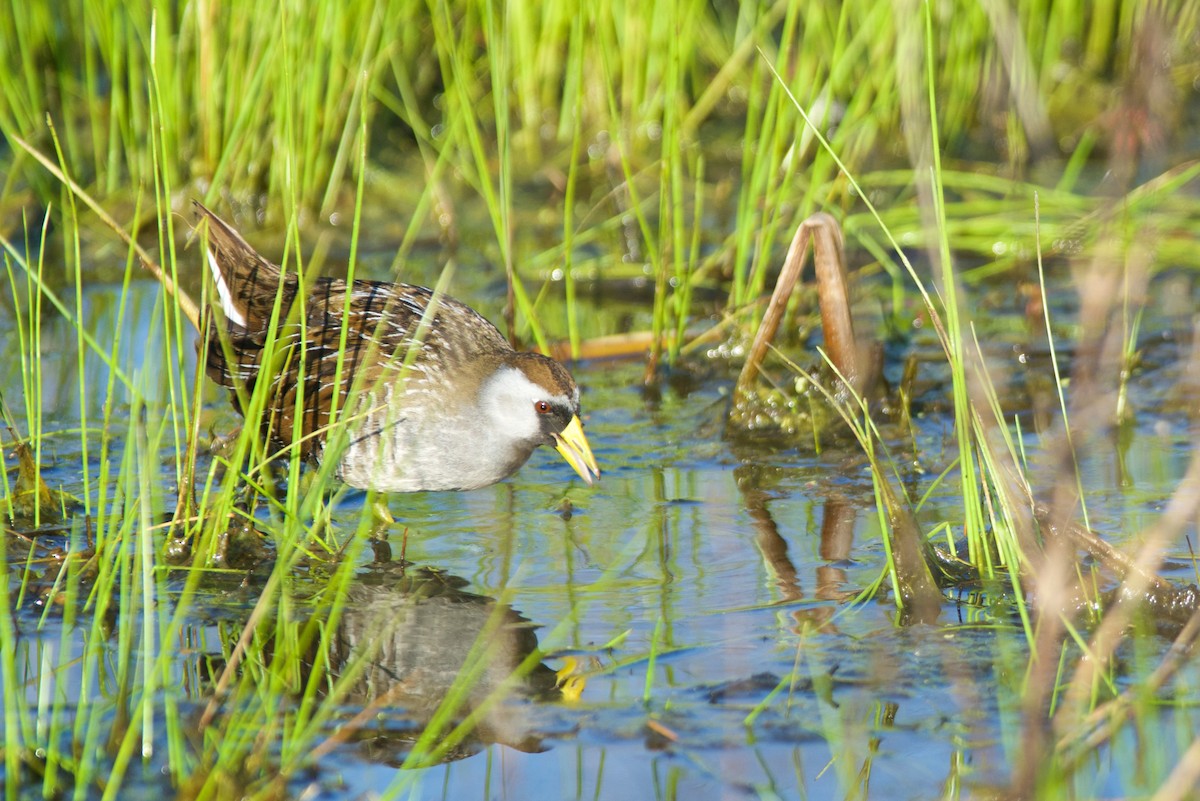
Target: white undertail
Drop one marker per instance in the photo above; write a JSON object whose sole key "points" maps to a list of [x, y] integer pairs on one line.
{"points": [[232, 313]]}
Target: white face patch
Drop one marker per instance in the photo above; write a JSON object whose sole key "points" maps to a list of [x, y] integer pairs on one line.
{"points": [[230, 310], [507, 399]]}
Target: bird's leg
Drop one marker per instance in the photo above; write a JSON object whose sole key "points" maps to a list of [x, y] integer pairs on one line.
{"points": [[381, 518]]}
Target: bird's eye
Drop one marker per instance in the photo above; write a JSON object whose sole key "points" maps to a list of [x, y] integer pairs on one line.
{"points": [[543, 407]]}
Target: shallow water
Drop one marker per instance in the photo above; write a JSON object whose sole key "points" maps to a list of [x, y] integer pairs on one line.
{"points": [[719, 568]]}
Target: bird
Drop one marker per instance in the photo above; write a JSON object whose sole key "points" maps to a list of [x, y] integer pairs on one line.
{"points": [[410, 390]]}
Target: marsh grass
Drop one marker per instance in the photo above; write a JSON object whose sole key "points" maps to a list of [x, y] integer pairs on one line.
{"points": [[292, 103], [997, 523], [274, 697], [995, 493]]}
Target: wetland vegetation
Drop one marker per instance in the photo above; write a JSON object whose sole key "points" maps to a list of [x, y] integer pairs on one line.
{"points": [[931, 540]]}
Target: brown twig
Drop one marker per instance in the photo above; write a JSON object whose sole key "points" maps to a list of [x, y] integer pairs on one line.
{"points": [[1140, 582], [186, 304], [823, 233], [1107, 718]]}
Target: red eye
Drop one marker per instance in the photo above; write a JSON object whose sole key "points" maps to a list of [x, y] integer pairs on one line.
{"points": [[543, 407]]}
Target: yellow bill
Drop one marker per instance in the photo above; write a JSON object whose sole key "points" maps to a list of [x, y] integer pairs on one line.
{"points": [[572, 445]]}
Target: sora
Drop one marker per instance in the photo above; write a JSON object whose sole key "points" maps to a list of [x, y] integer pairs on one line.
{"points": [[431, 399]]}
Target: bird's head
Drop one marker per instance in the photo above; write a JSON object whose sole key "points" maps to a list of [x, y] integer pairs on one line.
{"points": [[532, 400]]}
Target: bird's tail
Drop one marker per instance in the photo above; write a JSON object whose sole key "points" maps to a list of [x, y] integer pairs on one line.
{"points": [[246, 282]]}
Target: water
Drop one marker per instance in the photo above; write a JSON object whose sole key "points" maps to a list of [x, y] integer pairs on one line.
{"points": [[703, 587]]}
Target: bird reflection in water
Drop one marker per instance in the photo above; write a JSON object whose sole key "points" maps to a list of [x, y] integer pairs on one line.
{"points": [[411, 647], [405, 648]]}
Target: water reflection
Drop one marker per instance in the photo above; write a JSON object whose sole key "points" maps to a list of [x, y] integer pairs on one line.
{"points": [[411, 641], [838, 518]]}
